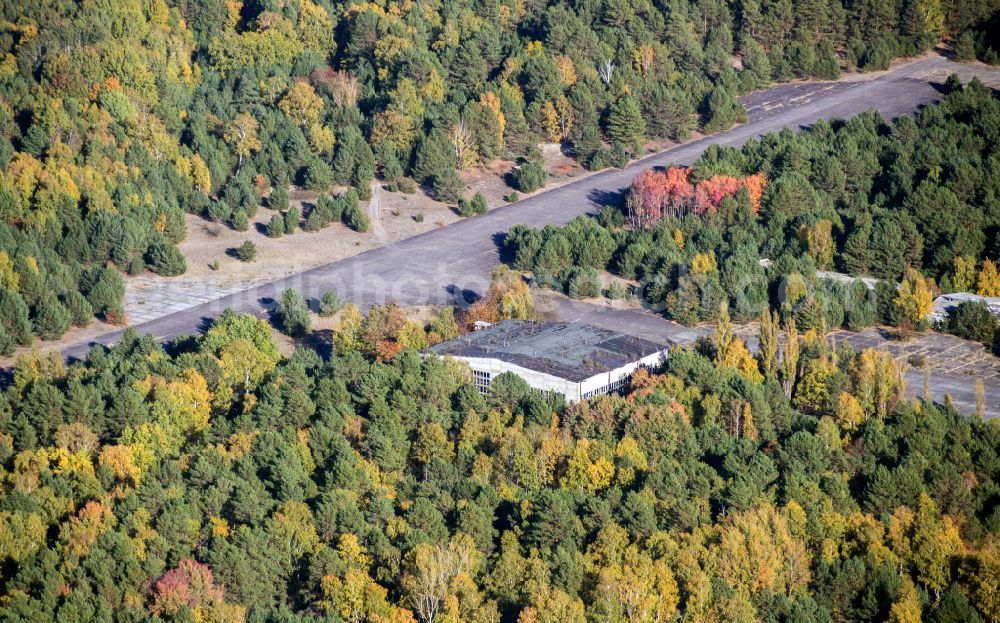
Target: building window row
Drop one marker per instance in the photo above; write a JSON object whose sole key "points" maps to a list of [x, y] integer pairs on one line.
{"points": [[482, 380], [613, 387]]}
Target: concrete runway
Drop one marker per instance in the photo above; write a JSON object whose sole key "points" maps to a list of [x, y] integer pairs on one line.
{"points": [[451, 265]]}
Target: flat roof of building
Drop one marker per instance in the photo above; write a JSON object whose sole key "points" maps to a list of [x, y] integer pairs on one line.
{"points": [[945, 304], [571, 351]]}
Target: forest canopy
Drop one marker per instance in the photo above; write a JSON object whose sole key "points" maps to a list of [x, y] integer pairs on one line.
{"points": [[216, 480]]}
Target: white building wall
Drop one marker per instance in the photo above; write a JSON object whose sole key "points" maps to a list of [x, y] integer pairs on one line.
{"points": [[535, 379], [606, 382], [598, 384]]}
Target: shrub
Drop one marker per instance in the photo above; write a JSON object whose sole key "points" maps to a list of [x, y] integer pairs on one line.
{"points": [[291, 220], [356, 219], [584, 283], [213, 265], [419, 217], [246, 252], [407, 186], [465, 208], [276, 227], [479, 204], [293, 313], [545, 279], [616, 291], [329, 304], [530, 176], [165, 259]]}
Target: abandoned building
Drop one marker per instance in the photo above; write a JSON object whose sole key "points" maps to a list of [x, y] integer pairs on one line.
{"points": [[576, 360]]}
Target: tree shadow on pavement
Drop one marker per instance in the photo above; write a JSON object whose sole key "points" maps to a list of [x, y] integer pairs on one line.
{"points": [[320, 340], [500, 241], [600, 197], [462, 297]]}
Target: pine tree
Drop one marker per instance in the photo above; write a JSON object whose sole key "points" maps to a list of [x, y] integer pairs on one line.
{"points": [[278, 199], [239, 221], [362, 178], [247, 252], [434, 156], [756, 72], [448, 186], [913, 28], [276, 227], [293, 313], [291, 220], [392, 170], [14, 319], [52, 319], [827, 66], [329, 304], [626, 125], [478, 204], [318, 175], [722, 110], [163, 258], [80, 311], [588, 144], [105, 289]]}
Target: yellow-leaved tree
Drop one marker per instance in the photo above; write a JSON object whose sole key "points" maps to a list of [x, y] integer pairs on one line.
{"points": [[437, 578], [914, 298], [636, 589], [988, 282], [241, 134], [353, 594], [963, 275], [180, 406], [879, 382], [731, 351]]}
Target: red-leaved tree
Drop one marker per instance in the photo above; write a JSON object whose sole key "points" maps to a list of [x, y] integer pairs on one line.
{"points": [[189, 585], [656, 194], [710, 193]]}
